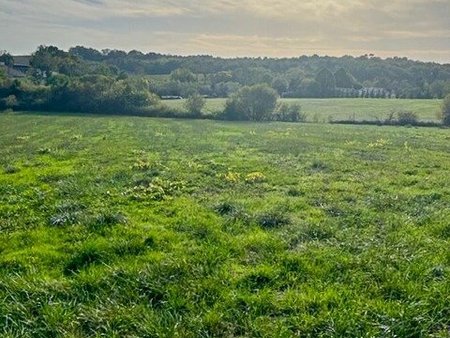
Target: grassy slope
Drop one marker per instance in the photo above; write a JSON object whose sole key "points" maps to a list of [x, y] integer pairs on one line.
{"points": [[145, 227], [322, 110]]}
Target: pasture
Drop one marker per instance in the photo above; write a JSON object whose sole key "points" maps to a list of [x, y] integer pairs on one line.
{"points": [[142, 227], [323, 110]]}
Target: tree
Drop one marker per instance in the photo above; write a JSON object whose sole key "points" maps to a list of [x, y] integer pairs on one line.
{"points": [[195, 104], [327, 83], [446, 111], [48, 59], [280, 84], [183, 75], [221, 77], [86, 53], [309, 88], [345, 80], [255, 103], [6, 58]]}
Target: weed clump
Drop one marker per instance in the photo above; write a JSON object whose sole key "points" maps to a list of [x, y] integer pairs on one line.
{"points": [[44, 151], [273, 219], [85, 257], [68, 213], [10, 169], [225, 208], [258, 279], [232, 212], [294, 192], [141, 165], [150, 242], [131, 247], [107, 220], [157, 190], [255, 177], [317, 166]]}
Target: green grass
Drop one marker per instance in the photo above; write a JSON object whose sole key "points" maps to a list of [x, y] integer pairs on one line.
{"points": [[139, 227], [322, 110]]}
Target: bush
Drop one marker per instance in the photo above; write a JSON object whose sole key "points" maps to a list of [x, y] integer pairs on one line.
{"points": [[446, 111], [289, 113], [195, 104], [255, 103], [11, 101], [407, 118]]}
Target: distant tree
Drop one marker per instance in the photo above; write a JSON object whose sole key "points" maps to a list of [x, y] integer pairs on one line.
{"points": [[327, 83], [221, 77], [89, 54], [136, 54], [281, 85], [183, 75], [195, 104], [252, 75], [295, 76], [6, 58], [345, 79], [255, 103], [48, 59], [446, 111], [310, 88], [225, 89], [116, 54]]}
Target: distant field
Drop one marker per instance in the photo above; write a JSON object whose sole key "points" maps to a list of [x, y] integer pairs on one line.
{"points": [[141, 227], [323, 110]]}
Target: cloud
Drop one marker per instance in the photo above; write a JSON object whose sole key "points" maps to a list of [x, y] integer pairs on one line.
{"points": [[414, 28]]}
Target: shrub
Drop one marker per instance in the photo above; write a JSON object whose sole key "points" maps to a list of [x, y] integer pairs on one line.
{"points": [[11, 102], [446, 111], [289, 113], [195, 104], [407, 118], [255, 103]]}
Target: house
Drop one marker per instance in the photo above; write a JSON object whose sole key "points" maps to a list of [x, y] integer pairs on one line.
{"points": [[21, 65]]}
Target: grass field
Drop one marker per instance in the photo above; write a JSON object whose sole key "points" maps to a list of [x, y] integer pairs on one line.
{"points": [[322, 110], [139, 227]]}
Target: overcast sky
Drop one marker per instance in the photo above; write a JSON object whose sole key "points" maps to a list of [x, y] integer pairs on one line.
{"points": [[418, 29]]}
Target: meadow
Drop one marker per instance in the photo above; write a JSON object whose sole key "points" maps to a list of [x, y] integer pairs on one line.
{"points": [[143, 227], [324, 110]]}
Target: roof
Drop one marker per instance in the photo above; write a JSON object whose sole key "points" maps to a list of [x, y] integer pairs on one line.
{"points": [[22, 60], [15, 73]]}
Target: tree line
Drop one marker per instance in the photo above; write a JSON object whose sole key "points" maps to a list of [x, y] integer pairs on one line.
{"points": [[86, 80], [305, 76]]}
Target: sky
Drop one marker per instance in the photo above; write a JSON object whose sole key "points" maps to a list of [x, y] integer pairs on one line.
{"points": [[417, 29]]}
